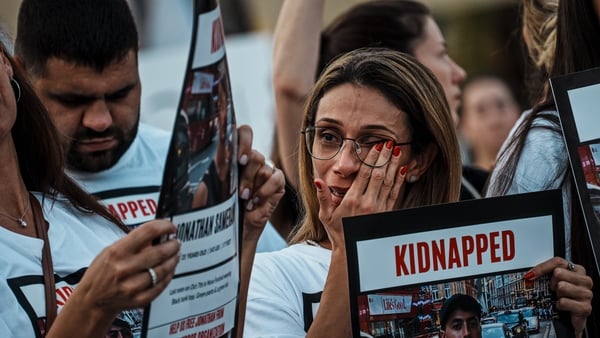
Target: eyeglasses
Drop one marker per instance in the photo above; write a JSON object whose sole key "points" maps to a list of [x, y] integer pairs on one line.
{"points": [[324, 143]]}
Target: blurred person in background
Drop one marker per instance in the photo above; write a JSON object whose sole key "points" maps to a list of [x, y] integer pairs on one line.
{"points": [[488, 112], [302, 50], [562, 38]]}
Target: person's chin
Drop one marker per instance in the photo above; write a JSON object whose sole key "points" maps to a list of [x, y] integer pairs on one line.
{"points": [[92, 162]]}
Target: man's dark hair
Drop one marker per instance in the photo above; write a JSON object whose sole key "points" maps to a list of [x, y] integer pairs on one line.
{"points": [[459, 302], [89, 33]]}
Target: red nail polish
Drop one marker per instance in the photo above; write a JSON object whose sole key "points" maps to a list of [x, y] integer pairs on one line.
{"points": [[389, 144], [397, 151], [529, 275], [379, 146], [318, 185], [403, 170]]}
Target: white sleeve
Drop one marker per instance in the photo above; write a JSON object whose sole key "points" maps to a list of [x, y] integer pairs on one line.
{"points": [[270, 310]]}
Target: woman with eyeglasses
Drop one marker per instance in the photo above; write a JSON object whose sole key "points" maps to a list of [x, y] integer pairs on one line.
{"points": [[375, 138], [302, 48]]}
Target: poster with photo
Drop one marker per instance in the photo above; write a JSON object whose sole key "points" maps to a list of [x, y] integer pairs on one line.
{"points": [[199, 194], [577, 98], [403, 265]]}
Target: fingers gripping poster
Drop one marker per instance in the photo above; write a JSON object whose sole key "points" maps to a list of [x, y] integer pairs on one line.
{"points": [[199, 194]]}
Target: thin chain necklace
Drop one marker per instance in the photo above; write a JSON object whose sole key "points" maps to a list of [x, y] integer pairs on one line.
{"points": [[20, 220]]}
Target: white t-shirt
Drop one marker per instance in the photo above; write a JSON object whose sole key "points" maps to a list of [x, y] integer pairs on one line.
{"points": [[285, 291], [131, 187], [75, 239]]}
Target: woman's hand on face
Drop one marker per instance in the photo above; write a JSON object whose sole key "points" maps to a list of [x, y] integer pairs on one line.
{"points": [[573, 288], [375, 189], [119, 276]]}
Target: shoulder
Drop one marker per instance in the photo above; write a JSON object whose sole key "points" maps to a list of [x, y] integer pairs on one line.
{"points": [[298, 266], [153, 136], [151, 144], [544, 138], [150, 132], [294, 256], [280, 283], [64, 217]]}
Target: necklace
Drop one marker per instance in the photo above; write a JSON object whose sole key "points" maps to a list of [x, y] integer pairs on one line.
{"points": [[20, 220]]}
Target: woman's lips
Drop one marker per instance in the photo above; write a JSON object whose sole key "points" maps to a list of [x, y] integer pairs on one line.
{"points": [[337, 196]]}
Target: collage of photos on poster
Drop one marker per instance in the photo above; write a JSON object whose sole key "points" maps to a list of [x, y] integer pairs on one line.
{"points": [[433, 256], [199, 195]]}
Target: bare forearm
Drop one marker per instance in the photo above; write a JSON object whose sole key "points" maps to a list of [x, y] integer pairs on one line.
{"points": [[249, 243], [295, 57], [296, 45], [333, 317], [84, 320]]}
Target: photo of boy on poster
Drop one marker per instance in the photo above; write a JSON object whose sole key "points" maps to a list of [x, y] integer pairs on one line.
{"points": [[480, 248]]}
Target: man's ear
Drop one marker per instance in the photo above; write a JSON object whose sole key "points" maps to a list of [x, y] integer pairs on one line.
{"points": [[420, 163]]}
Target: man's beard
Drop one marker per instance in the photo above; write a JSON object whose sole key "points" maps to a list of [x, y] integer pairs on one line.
{"points": [[100, 160]]}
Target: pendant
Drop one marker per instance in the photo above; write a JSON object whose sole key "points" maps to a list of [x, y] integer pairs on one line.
{"points": [[22, 223]]}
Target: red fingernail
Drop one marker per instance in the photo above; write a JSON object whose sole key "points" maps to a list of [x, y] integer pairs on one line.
{"points": [[403, 170], [529, 275], [389, 144], [318, 185], [379, 146], [397, 151]]}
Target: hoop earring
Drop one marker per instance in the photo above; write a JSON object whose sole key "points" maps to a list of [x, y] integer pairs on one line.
{"points": [[16, 88]]}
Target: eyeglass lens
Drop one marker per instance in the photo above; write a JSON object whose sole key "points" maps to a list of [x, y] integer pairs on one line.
{"points": [[324, 144]]}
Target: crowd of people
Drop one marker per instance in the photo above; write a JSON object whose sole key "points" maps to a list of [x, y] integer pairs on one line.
{"points": [[371, 115]]}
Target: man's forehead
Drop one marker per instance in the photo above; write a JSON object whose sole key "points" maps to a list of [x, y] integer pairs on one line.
{"points": [[63, 77], [56, 66], [460, 315]]}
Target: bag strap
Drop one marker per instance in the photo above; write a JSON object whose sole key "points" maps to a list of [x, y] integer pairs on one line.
{"points": [[41, 229]]}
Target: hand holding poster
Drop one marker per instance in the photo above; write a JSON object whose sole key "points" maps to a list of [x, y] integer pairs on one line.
{"points": [[479, 248], [577, 98], [199, 195]]}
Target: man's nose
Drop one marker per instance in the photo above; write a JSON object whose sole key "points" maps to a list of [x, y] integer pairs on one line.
{"points": [[97, 117]]}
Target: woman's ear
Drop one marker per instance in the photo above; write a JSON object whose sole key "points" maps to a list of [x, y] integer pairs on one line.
{"points": [[6, 66], [420, 163]]}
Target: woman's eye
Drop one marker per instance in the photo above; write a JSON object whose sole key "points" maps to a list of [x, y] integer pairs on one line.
{"points": [[328, 137], [369, 141]]}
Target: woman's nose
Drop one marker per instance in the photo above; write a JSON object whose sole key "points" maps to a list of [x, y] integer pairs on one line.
{"points": [[347, 161]]}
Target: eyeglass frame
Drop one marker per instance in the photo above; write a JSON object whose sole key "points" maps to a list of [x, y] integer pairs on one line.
{"points": [[355, 145]]}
